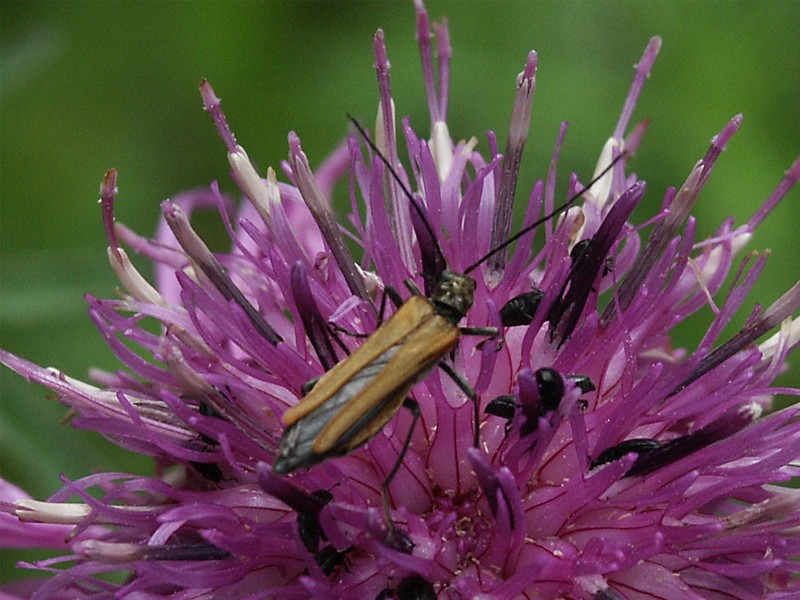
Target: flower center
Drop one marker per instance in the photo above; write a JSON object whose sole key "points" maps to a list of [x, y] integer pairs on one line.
{"points": [[462, 524]]}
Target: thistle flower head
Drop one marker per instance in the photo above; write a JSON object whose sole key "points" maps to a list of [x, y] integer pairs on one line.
{"points": [[609, 463]]}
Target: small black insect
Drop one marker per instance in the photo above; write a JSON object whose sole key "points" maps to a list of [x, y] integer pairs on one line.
{"points": [[521, 309], [329, 558], [502, 406], [579, 249], [582, 247], [585, 385], [641, 446], [550, 387], [311, 532]]}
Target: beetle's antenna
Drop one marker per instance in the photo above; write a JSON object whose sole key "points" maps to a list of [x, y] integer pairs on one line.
{"points": [[400, 182], [510, 240], [547, 217]]}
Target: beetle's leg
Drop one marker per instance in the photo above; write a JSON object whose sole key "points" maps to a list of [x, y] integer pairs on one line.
{"points": [[490, 332], [308, 386], [412, 287], [467, 389], [347, 332], [393, 534], [394, 296]]}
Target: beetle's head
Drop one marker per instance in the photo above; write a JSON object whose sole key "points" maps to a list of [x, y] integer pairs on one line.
{"points": [[453, 295]]}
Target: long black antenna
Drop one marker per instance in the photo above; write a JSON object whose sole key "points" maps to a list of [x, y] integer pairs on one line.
{"points": [[510, 240], [399, 181], [546, 218]]}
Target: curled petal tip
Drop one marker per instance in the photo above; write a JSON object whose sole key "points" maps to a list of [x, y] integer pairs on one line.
{"points": [[530, 65], [207, 93], [109, 185], [108, 189], [295, 147]]}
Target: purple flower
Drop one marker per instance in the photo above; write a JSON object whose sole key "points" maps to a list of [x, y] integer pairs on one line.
{"points": [[609, 464]]}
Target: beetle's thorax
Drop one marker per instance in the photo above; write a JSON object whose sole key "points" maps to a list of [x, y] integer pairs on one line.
{"points": [[453, 295]]}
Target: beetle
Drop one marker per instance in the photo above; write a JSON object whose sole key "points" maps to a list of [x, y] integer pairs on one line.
{"points": [[353, 401], [521, 309]]}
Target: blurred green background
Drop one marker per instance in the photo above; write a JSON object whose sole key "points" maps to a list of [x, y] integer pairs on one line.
{"points": [[86, 86]]}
